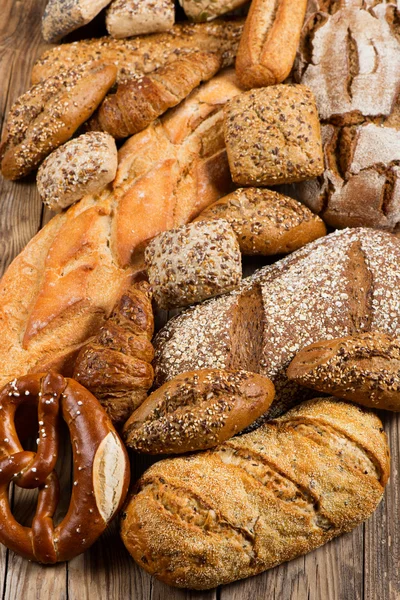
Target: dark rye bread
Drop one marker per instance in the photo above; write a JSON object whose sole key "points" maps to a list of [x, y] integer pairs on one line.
{"points": [[260, 499], [338, 285]]}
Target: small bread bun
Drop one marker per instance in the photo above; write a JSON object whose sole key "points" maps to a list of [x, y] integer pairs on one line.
{"points": [[83, 166]]}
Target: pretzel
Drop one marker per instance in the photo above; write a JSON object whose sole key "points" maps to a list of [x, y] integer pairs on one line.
{"points": [[101, 468]]}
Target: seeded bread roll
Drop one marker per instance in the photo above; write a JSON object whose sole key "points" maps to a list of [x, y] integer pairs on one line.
{"points": [[192, 263], [259, 499], [273, 136], [84, 165], [61, 17], [197, 410], [344, 283], [363, 368], [266, 222], [206, 10], [49, 114], [125, 18]]}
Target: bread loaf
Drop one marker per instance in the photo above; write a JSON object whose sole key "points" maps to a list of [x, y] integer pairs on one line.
{"points": [[266, 222], [269, 42], [350, 58], [125, 18], [259, 499], [83, 166], [48, 115], [136, 57], [344, 283], [197, 410], [61, 288], [364, 368], [138, 102], [207, 10], [273, 136], [61, 18]]}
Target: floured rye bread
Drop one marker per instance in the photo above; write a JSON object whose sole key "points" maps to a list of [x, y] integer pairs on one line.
{"points": [[343, 283], [350, 58]]}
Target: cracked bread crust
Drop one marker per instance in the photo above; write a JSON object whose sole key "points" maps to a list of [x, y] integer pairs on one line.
{"points": [[357, 99], [178, 525]]}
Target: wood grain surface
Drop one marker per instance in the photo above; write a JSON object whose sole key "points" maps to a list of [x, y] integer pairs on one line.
{"points": [[363, 565]]}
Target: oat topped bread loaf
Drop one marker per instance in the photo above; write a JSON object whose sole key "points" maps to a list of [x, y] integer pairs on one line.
{"points": [[125, 18], [61, 17], [344, 283], [82, 166], [134, 57], [273, 136], [350, 58], [259, 499], [266, 222], [207, 10], [193, 263], [364, 368]]}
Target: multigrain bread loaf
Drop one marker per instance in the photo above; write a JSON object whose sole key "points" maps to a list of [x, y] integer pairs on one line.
{"points": [[141, 55], [269, 42], [139, 102], [61, 18], [364, 368], [350, 58], [61, 288], [344, 283], [207, 10], [273, 136], [125, 18], [197, 410], [193, 263], [49, 113], [266, 222], [83, 166], [259, 499]]}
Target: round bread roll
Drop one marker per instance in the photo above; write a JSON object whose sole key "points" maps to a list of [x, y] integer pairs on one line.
{"points": [[83, 166]]}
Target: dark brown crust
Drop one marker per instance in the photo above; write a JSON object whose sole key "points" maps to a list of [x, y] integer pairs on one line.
{"points": [[259, 499]]}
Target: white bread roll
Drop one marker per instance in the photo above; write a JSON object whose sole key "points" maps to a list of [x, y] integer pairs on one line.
{"points": [[129, 17]]}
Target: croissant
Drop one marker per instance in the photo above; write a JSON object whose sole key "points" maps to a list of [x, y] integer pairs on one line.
{"points": [[138, 102], [116, 364]]}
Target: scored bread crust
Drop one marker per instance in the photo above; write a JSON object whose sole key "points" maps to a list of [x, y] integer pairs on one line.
{"points": [[344, 283], [289, 487], [135, 57], [53, 296]]}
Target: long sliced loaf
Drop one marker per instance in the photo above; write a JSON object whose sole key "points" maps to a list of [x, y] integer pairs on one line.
{"points": [[62, 287], [260, 499], [341, 284]]}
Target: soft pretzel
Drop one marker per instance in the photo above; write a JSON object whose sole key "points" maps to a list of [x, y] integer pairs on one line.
{"points": [[101, 468]]}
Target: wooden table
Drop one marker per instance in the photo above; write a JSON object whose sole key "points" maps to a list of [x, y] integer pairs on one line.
{"points": [[361, 565]]}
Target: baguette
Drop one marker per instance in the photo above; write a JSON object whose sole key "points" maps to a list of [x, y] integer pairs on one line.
{"points": [[53, 296], [144, 54], [260, 499], [344, 283], [269, 42], [363, 368]]}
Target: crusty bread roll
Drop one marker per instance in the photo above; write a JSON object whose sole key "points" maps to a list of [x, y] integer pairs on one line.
{"points": [[344, 283], [83, 166], [60, 17], [266, 222], [193, 263], [273, 136], [259, 499], [125, 18], [269, 42], [206, 10], [140, 101], [364, 368], [61, 288], [144, 54], [197, 410]]}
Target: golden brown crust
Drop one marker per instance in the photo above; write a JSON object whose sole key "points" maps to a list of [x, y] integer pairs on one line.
{"points": [[266, 222], [363, 368], [198, 410], [139, 102], [291, 486], [269, 42], [49, 113]]}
